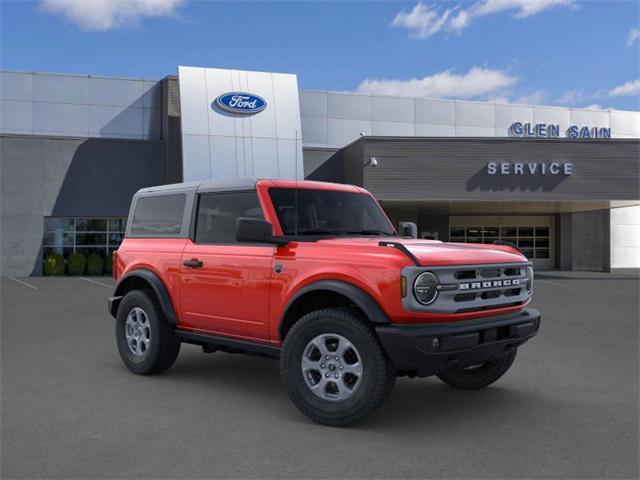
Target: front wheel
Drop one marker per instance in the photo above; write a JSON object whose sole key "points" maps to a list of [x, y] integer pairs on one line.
{"points": [[333, 367], [479, 376]]}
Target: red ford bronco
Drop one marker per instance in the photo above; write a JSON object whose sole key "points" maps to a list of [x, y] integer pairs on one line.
{"points": [[314, 274]]}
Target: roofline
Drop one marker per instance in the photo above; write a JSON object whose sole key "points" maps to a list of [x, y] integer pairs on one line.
{"points": [[242, 183], [464, 100], [325, 92], [382, 138]]}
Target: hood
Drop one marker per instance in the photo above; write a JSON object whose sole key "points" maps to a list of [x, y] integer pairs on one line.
{"points": [[436, 253]]}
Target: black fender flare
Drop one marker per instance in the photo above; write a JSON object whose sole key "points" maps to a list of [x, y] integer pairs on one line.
{"points": [[164, 300], [362, 299]]}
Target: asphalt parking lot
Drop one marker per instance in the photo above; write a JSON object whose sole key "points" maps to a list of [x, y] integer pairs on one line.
{"points": [[567, 409]]}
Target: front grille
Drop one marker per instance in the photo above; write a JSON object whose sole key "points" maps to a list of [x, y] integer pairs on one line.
{"points": [[469, 288]]}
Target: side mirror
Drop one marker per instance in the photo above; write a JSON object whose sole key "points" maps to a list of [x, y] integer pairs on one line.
{"points": [[408, 229], [254, 230]]}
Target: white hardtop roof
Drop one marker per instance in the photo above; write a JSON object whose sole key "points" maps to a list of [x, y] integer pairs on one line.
{"points": [[222, 184]]}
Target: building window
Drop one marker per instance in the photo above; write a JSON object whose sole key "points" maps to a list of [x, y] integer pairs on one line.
{"points": [[65, 235], [533, 241]]}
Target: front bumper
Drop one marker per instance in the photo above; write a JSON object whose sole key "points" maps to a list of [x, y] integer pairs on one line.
{"points": [[430, 349]]}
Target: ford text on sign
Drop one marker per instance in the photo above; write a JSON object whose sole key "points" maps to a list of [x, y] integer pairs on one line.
{"points": [[240, 103]]}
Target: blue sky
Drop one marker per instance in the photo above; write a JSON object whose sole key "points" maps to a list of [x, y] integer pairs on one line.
{"points": [[558, 52]]}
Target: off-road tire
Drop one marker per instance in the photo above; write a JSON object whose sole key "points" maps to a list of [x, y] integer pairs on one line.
{"points": [[482, 376], [378, 376], [164, 344]]}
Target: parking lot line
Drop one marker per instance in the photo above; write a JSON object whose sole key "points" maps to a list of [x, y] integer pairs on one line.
{"points": [[96, 282], [23, 283]]}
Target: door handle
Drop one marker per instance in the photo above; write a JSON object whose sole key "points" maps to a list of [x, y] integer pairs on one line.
{"points": [[193, 263]]}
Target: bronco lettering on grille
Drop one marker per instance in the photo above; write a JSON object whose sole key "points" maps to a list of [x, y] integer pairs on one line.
{"points": [[489, 284]]}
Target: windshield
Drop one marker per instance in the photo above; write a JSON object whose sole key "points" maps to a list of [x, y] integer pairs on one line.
{"points": [[327, 212]]}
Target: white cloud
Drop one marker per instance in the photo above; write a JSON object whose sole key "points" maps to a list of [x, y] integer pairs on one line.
{"points": [[524, 8], [100, 15], [633, 36], [595, 106], [538, 97], [629, 88], [423, 21], [475, 83], [571, 97]]}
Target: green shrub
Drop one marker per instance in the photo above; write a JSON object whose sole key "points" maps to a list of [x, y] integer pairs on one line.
{"points": [[76, 263], [94, 264], [53, 264], [108, 264]]}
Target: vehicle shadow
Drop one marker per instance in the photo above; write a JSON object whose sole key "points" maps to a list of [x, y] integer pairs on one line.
{"points": [[414, 403]]}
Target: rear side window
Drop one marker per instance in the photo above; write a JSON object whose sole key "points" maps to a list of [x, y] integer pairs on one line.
{"points": [[158, 216], [218, 212]]}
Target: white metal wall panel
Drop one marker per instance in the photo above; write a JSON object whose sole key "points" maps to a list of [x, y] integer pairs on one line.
{"points": [[106, 121], [221, 149], [80, 106], [196, 148], [16, 86], [589, 117], [61, 118], [389, 109], [435, 112], [265, 151], [60, 89], [314, 130], [552, 115], [392, 129], [116, 92], [425, 130], [240, 144], [342, 132], [16, 117], [625, 237], [625, 123], [506, 115], [349, 106], [348, 114], [463, 131], [286, 99], [313, 104], [194, 111], [471, 114]]}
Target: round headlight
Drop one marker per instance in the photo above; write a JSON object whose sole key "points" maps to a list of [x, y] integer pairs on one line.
{"points": [[529, 274], [425, 288]]}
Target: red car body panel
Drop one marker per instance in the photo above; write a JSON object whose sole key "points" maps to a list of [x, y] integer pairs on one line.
{"points": [[250, 300]]}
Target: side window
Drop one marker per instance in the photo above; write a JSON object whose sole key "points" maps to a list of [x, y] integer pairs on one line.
{"points": [[158, 216], [218, 212]]}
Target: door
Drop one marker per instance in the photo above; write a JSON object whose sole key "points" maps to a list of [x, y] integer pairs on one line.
{"points": [[225, 284], [533, 235]]}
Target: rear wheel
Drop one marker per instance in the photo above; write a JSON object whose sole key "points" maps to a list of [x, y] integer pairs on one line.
{"points": [[146, 342], [333, 367], [479, 376]]}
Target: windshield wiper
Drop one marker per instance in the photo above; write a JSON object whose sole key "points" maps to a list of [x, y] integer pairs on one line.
{"points": [[326, 231], [370, 232], [321, 231]]}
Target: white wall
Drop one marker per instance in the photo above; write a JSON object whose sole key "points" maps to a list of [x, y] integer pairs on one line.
{"points": [[79, 106], [335, 119], [625, 237], [217, 144]]}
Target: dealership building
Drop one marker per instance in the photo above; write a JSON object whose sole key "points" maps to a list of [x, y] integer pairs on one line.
{"points": [[561, 183]]}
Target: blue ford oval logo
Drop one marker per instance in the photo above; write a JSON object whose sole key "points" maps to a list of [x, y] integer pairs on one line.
{"points": [[241, 103]]}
